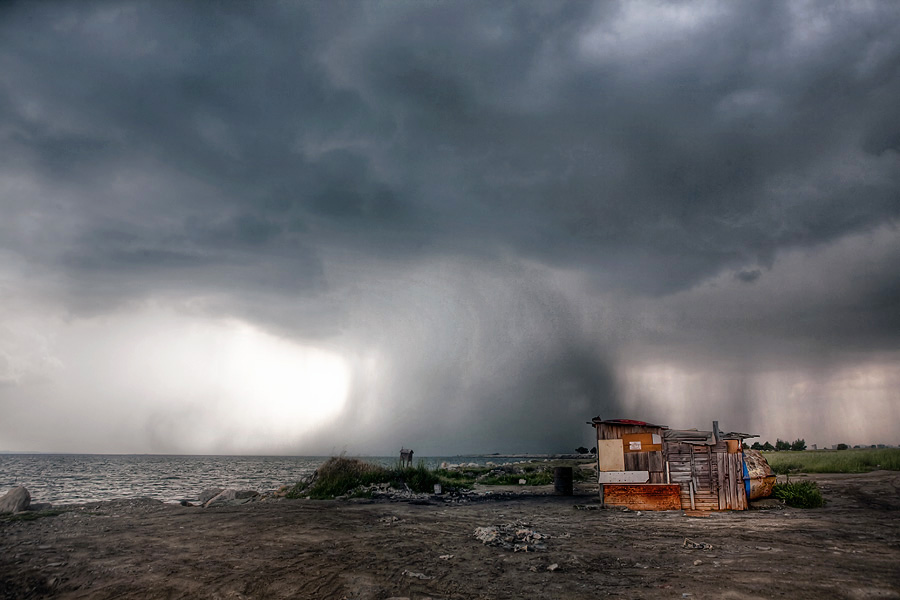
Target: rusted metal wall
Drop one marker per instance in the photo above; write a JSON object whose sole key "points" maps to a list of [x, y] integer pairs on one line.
{"points": [[642, 496]]}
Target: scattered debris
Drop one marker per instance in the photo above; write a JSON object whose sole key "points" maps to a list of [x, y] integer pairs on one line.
{"points": [[588, 507], [445, 556], [698, 562], [512, 536], [415, 575], [553, 567], [388, 520], [692, 545]]}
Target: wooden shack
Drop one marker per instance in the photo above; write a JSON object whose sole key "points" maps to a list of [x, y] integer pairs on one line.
{"points": [[652, 467]]}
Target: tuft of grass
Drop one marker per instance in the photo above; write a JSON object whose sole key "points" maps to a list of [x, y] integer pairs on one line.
{"points": [[419, 479], [799, 494], [860, 460], [341, 476], [456, 478], [338, 476]]}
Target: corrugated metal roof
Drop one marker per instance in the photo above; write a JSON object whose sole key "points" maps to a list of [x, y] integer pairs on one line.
{"points": [[688, 436], [600, 421]]}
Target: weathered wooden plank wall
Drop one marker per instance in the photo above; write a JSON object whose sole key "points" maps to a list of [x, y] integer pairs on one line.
{"points": [[637, 461], [689, 467], [714, 471]]}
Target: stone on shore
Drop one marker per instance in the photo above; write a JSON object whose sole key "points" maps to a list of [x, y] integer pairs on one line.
{"points": [[231, 497], [16, 500], [208, 494]]}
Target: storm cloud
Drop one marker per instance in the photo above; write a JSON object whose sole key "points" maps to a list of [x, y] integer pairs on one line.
{"points": [[500, 219]]}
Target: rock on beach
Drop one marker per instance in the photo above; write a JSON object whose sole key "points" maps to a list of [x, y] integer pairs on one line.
{"points": [[16, 500], [231, 497]]}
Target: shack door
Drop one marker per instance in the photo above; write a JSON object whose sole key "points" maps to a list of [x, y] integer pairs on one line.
{"points": [[730, 472]]}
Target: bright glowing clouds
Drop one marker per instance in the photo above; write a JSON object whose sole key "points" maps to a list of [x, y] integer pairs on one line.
{"points": [[277, 387], [160, 381]]}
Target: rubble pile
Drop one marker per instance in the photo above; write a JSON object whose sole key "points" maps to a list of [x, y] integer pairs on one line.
{"points": [[517, 537]]}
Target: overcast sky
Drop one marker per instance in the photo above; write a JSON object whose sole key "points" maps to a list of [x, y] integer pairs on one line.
{"points": [[457, 226]]}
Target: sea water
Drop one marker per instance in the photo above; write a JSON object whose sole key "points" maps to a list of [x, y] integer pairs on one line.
{"points": [[79, 478]]}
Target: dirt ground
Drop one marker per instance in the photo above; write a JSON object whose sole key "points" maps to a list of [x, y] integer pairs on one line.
{"points": [[329, 549]]}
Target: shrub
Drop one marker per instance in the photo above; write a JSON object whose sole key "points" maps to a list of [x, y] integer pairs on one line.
{"points": [[419, 478], [782, 445], [843, 447], [798, 445], [338, 476], [801, 494]]}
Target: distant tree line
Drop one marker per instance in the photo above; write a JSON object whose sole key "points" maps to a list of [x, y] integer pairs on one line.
{"points": [[796, 445]]}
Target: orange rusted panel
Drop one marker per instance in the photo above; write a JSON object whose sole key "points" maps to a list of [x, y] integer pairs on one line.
{"points": [[734, 446], [646, 496], [641, 442]]}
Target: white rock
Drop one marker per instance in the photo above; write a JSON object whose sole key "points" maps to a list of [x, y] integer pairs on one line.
{"points": [[208, 494], [15, 500]]}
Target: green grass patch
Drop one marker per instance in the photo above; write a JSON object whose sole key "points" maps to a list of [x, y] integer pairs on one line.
{"points": [[860, 460], [799, 494], [531, 478], [341, 476], [451, 478], [337, 477]]}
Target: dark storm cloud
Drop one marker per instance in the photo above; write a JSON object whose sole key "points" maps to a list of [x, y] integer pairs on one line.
{"points": [[516, 121], [749, 276], [294, 160]]}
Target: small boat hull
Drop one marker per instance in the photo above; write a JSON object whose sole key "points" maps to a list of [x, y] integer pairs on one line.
{"points": [[759, 478]]}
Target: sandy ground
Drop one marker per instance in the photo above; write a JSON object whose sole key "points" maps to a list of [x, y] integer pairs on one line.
{"points": [[327, 549]]}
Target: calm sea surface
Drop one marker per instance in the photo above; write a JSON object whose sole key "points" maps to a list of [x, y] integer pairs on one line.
{"points": [[77, 478]]}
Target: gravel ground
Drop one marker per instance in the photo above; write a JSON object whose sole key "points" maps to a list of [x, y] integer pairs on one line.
{"points": [[379, 550]]}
